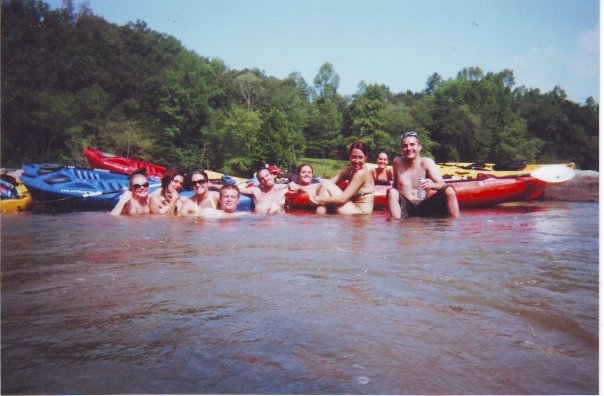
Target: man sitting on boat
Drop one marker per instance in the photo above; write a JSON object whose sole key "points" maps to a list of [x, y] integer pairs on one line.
{"points": [[418, 187]]}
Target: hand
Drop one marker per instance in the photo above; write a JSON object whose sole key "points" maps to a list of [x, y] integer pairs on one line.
{"points": [[126, 196], [313, 199]]}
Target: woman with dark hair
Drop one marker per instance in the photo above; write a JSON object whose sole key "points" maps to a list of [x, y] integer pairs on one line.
{"points": [[356, 193], [168, 200], [203, 198]]}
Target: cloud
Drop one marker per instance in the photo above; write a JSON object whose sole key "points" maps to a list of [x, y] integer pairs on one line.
{"points": [[585, 60], [575, 70]]}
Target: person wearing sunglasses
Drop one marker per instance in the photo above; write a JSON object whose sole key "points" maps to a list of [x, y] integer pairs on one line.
{"points": [[414, 173], [357, 195], [134, 201], [167, 200], [203, 198], [228, 201]]}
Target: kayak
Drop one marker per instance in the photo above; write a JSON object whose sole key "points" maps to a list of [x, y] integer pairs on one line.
{"points": [[76, 188], [469, 170], [101, 160], [471, 193], [111, 162], [17, 198]]}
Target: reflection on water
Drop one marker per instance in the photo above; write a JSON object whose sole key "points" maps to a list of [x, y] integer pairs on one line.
{"points": [[499, 301]]}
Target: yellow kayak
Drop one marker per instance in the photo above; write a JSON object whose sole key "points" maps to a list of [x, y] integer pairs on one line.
{"points": [[16, 205], [469, 170]]}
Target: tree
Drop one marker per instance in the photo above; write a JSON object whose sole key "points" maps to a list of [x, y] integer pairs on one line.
{"points": [[326, 82]]}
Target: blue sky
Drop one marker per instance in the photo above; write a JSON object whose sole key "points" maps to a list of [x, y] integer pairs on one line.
{"points": [[398, 43]]}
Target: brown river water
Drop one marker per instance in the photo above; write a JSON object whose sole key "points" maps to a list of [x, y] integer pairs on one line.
{"points": [[498, 301]]}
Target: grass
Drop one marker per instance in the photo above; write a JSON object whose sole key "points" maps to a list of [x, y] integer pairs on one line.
{"points": [[325, 168]]}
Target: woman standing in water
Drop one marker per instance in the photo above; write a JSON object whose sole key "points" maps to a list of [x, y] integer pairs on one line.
{"points": [[203, 198], [357, 182], [135, 201], [168, 200]]}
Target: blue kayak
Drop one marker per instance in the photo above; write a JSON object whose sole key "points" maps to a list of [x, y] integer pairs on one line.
{"points": [[78, 188]]}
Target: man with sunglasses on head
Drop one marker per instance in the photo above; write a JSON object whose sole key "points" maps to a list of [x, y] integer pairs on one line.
{"points": [[414, 173], [203, 198]]}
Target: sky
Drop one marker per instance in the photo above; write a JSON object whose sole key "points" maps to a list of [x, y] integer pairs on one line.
{"points": [[398, 43]]}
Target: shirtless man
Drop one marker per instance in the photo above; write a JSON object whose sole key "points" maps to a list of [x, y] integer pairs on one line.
{"points": [[269, 198], [228, 201], [403, 200]]}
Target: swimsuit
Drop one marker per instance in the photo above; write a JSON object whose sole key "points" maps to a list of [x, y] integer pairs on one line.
{"points": [[435, 205]]}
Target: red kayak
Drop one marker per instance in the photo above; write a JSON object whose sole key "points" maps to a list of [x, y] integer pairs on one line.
{"points": [[472, 193], [111, 162]]}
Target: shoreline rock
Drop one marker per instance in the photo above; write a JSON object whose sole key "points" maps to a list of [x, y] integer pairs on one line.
{"points": [[584, 187]]}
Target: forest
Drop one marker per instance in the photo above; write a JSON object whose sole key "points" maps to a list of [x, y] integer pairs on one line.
{"points": [[70, 79]]}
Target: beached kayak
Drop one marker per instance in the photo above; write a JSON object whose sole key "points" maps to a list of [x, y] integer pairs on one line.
{"points": [[77, 188], [15, 197], [469, 170], [101, 160], [111, 162], [470, 193]]}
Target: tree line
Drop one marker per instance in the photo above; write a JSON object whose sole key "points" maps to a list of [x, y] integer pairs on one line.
{"points": [[70, 79]]}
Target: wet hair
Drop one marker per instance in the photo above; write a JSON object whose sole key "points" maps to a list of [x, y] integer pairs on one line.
{"points": [[299, 169], [230, 187], [169, 175], [360, 146], [382, 152], [195, 172]]}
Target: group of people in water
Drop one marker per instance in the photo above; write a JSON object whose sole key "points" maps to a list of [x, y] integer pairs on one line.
{"points": [[417, 189]]}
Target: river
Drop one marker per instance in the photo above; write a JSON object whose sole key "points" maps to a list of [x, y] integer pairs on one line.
{"points": [[501, 300]]}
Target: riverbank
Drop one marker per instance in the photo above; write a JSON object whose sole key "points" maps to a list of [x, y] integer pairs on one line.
{"points": [[584, 187]]}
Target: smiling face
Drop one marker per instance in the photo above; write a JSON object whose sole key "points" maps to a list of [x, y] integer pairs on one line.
{"points": [[199, 183], [305, 175], [229, 198], [265, 178], [357, 159], [139, 185], [176, 183], [382, 160], [410, 147]]}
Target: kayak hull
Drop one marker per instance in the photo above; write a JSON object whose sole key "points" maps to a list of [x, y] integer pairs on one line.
{"points": [[471, 193], [17, 205], [101, 160], [75, 188]]}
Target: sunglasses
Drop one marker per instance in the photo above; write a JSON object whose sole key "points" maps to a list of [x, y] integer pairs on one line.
{"points": [[201, 182], [137, 186], [411, 133]]}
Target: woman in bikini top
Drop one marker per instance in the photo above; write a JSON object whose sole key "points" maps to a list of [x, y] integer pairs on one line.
{"points": [[168, 200], [357, 196]]}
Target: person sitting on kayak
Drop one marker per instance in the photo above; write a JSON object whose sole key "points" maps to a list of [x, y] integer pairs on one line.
{"points": [[403, 199], [136, 200], [269, 197], [304, 175], [382, 175], [357, 196], [203, 198], [228, 201], [168, 200]]}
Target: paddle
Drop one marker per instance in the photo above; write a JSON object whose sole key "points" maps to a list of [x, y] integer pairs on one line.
{"points": [[554, 173]]}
